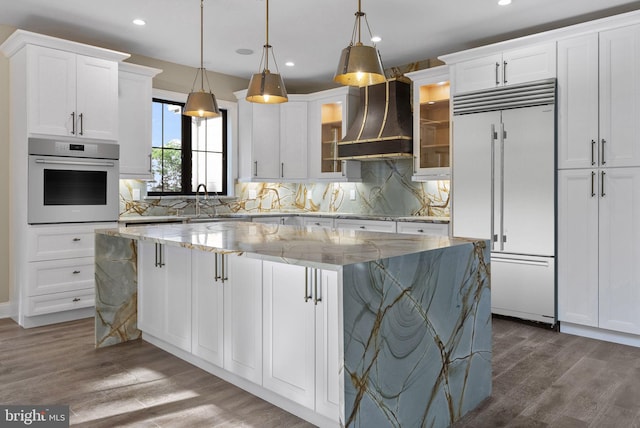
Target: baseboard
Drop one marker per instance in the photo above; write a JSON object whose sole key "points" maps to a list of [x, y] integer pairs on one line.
{"points": [[600, 334], [5, 310]]}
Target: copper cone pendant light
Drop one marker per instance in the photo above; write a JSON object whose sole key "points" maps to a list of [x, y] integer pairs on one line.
{"points": [[266, 87], [360, 65], [201, 103]]}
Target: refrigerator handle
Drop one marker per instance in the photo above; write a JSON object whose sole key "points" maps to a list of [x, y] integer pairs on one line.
{"points": [[494, 237], [502, 138]]}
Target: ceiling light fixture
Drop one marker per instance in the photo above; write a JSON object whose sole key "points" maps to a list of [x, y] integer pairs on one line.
{"points": [[360, 65], [266, 87], [201, 103], [139, 22], [504, 2]]}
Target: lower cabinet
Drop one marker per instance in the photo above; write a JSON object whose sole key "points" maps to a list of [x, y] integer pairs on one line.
{"points": [[599, 248], [301, 336], [164, 293]]}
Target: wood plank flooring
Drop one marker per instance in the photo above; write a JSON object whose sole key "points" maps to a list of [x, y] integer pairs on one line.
{"points": [[540, 379]]}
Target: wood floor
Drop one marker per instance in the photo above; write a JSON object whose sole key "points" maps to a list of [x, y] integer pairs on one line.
{"points": [[540, 379]]}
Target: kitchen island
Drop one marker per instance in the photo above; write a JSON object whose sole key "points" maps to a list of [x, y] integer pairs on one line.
{"points": [[339, 327]]}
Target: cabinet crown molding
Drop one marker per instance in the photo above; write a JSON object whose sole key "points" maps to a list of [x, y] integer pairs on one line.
{"points": [[20, 38]]}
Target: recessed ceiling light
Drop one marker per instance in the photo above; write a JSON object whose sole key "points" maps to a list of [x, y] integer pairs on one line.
{"points": [[376, 39], [243, 51], [290, 63], [139, 21], [504, 2]]}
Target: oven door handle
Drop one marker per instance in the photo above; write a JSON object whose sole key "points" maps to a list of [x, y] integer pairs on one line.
{"points": [[70, 162]]}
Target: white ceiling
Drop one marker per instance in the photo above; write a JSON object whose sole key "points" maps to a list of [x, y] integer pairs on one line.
{"points": [[310, 33]]}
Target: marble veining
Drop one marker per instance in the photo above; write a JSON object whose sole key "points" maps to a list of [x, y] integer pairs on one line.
{"points": [[386, 190], [417, 338], [116, 277]]}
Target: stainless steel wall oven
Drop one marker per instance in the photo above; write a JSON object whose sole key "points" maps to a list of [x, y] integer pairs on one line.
{"points": [[72, 182]]}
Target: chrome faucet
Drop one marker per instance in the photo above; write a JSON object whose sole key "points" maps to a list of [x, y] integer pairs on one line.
{"points": [[206, 196]]}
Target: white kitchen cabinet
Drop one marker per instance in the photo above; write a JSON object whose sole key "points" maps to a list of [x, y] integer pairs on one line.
{"points": [[598, 248], [71, 95], [599, 99], [272, 140], [134, 107], [418, 228], [301, 336], [365, 225], [207, 338], [431, 124], [164, 293], [293, 140], [243, 317], [331, 112], [510, 67]]}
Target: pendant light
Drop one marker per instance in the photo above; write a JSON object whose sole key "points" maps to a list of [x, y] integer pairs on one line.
{"points": [[266, 87], [360, 65], [201, 103]]}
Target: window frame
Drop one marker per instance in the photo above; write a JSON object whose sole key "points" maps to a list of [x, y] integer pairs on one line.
{"points": [[228, 125]]}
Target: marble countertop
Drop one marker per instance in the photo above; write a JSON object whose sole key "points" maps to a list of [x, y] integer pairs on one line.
{"points": [[174, 218], [323, 248]]}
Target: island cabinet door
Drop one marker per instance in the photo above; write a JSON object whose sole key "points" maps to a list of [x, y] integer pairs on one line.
{"points": [[243, 316], [207, 306], [164, 293], [289, 332]]}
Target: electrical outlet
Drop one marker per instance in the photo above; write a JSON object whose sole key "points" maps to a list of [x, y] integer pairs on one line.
{"points": [[352, 195], [309, 195], [136, 194], [252, 194]]}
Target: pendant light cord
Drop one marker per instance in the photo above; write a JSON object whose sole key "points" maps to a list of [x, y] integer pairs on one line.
{"points": [[202, 44], [266, 46]]}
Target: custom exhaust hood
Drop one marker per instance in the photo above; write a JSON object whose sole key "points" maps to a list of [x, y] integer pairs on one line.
{"points": [[383, 127]]}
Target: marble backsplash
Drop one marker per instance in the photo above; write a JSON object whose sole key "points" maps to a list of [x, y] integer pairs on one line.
{"points": [[386, 189]]}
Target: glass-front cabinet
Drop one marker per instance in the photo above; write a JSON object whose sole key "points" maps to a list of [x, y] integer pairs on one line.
{"points": [[431, 124], [330, 114]]}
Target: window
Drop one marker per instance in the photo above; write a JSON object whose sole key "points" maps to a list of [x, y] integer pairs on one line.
{"points": [[187, 151]]}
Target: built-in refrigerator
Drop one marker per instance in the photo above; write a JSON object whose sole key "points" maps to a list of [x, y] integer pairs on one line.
{"points": [[503, 189]]}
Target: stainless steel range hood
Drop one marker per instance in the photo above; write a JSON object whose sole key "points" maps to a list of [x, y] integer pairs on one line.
{"points": [[383, 127]]}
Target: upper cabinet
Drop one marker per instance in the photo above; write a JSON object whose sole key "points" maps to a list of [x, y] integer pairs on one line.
{"points": [[135, 95], [599, 99], [272, 140], [63, 88], [330, 114], [431, 124], [506, 68], [71, 95]]}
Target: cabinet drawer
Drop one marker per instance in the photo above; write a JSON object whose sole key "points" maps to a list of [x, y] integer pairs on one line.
{"points": [[313, 222], [441, 229], [58, 302], [368, 225], [56, 276], [61, 241]]}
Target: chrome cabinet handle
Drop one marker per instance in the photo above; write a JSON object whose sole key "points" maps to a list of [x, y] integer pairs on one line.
{"points": [[497, 67], [317, 297], [593, 187], [317, 224], [255, 168], [420, 230], [602, 161], [76, 299], [602, 192], [81, 117], [73, 122], [503, 136], [282, 169], [306, 285], [362, 227], [593, 152], [150, 163], [216, 277], [504, 72], [75, 272], [76, 239], [224, 270], [159, 258]]}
